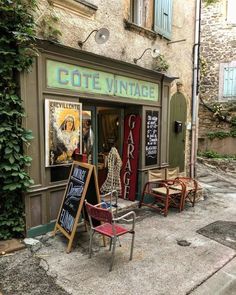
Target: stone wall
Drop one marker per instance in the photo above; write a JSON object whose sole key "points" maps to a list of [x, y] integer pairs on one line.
{"points": [[218, 45]]}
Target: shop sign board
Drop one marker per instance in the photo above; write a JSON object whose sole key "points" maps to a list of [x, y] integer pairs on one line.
{"points": [[86, 80], [82, 184], [130, 156]]}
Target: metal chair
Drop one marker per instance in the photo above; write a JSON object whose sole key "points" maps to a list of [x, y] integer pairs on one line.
{"points": [[108, 227]]}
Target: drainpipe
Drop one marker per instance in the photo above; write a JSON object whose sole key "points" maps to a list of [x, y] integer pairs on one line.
{"points": [[196, 48]]}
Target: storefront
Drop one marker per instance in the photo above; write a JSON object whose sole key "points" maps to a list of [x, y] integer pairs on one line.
{"points": [[94, 103]]}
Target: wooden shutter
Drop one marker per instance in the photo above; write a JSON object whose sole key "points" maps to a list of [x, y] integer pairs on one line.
{"points": [[229, 82], [163, 17]]}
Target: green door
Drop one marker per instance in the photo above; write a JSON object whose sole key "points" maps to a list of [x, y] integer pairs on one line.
{"points": [[178, 117]]}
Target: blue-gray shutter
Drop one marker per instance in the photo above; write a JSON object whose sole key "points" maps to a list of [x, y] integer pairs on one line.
{"points": [[229, 82], [163, 17]]}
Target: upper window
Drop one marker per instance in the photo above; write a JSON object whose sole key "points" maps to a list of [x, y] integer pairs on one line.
{"points": [[153, 14], [228, 81], [231, 11], [140, 10]]}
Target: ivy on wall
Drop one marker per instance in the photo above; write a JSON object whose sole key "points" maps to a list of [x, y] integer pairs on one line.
{"points": [[48, 23], [209, 2], [17, 33], [160, 64]]}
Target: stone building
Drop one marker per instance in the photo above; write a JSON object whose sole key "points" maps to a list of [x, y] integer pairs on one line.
{"points": [[218, 75], [129, 68]]}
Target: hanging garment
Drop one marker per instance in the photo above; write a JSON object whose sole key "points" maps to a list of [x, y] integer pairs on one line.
{"points": [[112, 181]]}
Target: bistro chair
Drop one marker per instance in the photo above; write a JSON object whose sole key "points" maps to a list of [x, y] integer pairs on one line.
{"points": [[165, 193], [108, 227]]}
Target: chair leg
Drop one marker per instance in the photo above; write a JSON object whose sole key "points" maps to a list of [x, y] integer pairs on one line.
{"points": [[141, 201], [132, 246], [113, 253], [91, 233], [194, 198], [166, 206], [110, 244]]}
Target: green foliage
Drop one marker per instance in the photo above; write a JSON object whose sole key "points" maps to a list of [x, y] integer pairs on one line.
{"points": [[17, 33], [160, 64], [209, 2], [48, 25], [214, 155], [221, 134]]}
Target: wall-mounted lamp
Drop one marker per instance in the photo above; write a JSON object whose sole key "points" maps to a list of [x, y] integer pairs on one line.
{"points": [[154, 52], [101, 36], [177, 41]]}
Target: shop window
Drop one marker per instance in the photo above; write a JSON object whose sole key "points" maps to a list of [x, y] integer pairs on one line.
{"points": [[231, 9], [228, 81], [163, 17], [59, 173]]}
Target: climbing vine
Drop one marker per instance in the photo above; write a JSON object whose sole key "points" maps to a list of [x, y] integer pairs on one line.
{"points": [[48, 23], [17, 50], [160, 64], [209, 2]]}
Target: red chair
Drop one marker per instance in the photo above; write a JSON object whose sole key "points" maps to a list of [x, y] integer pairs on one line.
{"points": [[108, 228]]}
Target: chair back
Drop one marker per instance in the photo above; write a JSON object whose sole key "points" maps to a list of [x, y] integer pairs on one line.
{"points": [[172, 173], [100, 214], [156, 175]]}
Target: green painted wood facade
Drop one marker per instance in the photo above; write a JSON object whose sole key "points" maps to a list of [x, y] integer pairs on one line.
{"points": [[178, 112]]}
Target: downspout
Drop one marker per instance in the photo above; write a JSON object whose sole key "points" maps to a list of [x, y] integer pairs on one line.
{"points": [[196, 49]]}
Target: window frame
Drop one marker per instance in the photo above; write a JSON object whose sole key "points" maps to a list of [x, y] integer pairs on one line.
{"points": [[222, 96], [230, 12]]}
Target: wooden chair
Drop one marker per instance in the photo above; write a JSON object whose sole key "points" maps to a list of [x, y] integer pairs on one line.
{"points": [[191, 186], [109, 227], [164, 194]]}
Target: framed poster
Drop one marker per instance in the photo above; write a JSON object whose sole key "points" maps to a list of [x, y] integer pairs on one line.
{"points": [[63, 121]]}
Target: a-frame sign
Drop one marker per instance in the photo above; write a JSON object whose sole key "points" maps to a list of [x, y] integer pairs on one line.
{"points": [[82, 185]]}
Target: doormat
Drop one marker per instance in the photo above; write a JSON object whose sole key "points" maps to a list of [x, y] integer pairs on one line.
{"points": [[223, 232]]}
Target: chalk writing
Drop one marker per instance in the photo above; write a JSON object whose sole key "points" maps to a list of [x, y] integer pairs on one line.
{"points": [[151, 141]]}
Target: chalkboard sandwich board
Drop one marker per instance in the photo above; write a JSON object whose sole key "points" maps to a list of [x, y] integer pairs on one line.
{"points": [[82, 184], [151, 141]]}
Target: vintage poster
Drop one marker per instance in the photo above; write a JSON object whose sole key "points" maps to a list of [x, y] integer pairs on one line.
{"points": [[63, 131]]}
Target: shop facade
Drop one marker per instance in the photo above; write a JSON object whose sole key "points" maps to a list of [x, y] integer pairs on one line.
{"points": [[108, 95]]}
